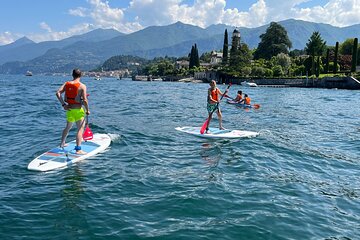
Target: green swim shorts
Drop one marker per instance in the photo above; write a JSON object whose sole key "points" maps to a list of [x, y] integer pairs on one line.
{"points": [[211, 107], [74, 115]]}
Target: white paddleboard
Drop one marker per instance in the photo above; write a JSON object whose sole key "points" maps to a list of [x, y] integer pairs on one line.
{"points": [[59, 157], [217, 133]]}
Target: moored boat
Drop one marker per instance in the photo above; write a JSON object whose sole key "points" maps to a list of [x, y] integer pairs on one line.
{"points": [[248, 84]]}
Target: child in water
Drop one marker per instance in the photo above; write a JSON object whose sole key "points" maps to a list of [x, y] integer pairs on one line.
{"points": [[246, 100], [238, 96]]}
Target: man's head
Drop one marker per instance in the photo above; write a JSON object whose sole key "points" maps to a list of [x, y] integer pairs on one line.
{"points": [[76, 73]]}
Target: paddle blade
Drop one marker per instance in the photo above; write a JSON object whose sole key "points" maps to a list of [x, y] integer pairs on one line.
{"points": [[256, 106], [87, 135], [203, 128]]}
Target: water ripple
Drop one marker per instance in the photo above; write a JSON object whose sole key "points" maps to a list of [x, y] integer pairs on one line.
{"points": [[297, 180]]}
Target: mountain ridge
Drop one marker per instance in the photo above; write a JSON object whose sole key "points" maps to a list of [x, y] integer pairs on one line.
{"points": [[90, 50]]}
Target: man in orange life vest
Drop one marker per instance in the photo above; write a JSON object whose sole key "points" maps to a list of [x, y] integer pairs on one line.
{"points": [[212, 104], [75, 97]]}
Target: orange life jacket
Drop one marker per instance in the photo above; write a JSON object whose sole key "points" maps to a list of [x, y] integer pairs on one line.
{"points": [[71, 92], [247, 100], [215, 94]]}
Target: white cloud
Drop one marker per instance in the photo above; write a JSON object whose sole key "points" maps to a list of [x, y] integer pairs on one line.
{"points": [[206, 12], [80, 12], [336, 12], [256, 16], [8, 37], [45, 26]]}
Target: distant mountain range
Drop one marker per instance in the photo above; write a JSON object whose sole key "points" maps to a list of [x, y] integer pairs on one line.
{"points": [[89, 50]]}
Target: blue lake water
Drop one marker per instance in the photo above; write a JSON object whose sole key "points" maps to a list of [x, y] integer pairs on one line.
{"points": [[300, 179]]}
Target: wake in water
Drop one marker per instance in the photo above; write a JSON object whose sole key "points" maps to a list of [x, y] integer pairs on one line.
{"points": [[265, 132], [114, 136]]}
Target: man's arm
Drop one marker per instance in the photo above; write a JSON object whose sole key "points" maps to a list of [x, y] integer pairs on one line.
{"points": [[59, 93], [85, 100]]}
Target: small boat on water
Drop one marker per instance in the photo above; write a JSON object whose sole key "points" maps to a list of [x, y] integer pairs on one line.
{"points": [[97, 78], [248, 84], [28, 73]]}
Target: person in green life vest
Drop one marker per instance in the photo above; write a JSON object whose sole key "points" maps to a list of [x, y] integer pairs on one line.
{"points": [[212, 104], [75, 97]]}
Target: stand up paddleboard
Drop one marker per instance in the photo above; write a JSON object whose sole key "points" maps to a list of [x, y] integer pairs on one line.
{"points": [[217, 133], [61, 157]]}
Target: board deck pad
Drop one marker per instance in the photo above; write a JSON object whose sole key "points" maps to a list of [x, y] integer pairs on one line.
{"points": [[61, 157], [217, 133]]}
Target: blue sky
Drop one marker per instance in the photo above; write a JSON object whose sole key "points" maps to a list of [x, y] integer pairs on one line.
{"points": [[42, 20]]}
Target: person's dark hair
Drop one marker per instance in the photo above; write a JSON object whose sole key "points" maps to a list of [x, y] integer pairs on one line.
{"points": [[239, 92], [246, 95], [76, 73]]}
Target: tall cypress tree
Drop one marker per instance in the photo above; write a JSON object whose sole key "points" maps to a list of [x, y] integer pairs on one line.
{"points": [[327, 60], [336, 57], [196, 57], [354, 55], [225, 48], [191, 61]]}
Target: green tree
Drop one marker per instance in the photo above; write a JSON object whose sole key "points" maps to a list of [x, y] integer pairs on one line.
{"points": [[335, 69], [245, 56], [318, 66], [235, 49], [194, 57], [225, 48], [346, 48], [257, 71], [277, 71], [354, 55], [327, 60], [205, 57], [274, 41], [283, 60], [315, 47]]}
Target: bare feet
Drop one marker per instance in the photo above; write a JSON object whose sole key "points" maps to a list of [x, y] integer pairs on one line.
{"points": [[80, 152], [221, 128], [63, 145]]}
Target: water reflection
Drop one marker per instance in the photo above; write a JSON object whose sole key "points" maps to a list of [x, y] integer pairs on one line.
{"points": [[211, 153], [73, 189], [72, 217]]}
